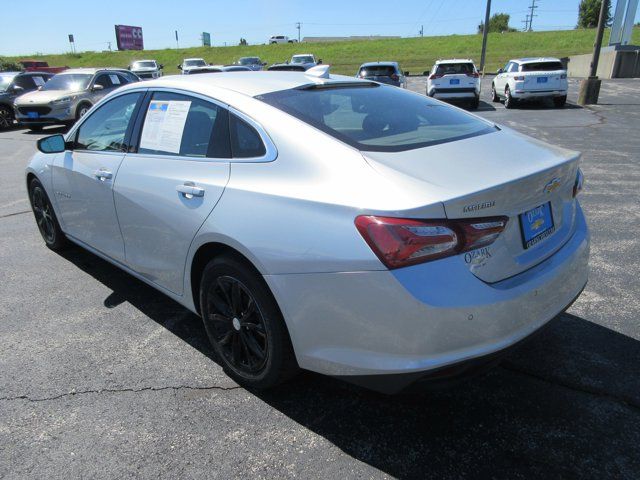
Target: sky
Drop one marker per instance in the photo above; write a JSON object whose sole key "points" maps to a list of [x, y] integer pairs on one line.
{"points": [[42, 26]]}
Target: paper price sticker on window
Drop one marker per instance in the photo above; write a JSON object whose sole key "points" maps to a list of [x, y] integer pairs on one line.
{"points": [[114, 79], [39, 81], [164, 125]]}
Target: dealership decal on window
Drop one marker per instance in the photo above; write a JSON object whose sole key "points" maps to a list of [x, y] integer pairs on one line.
{"points": [[164, 125]]}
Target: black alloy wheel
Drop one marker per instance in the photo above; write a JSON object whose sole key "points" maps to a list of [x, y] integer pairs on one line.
{"points": [[45, 217], [238, 325], [6, 117], [244, 324]]}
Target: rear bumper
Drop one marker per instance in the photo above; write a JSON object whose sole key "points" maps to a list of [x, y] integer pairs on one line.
{"points": [[526, 94], [453, 93], [420, 319]]}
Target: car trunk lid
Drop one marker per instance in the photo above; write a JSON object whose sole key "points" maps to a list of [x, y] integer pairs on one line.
{"points": [[497, 174]]}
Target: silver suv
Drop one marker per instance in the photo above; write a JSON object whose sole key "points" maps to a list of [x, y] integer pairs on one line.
{"points": [[68, 96], [146, 69]]}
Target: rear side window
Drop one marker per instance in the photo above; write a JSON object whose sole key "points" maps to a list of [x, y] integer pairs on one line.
{"points": [[26, 82], [104, 81], [378, 118], [454, 68], [245, 140], [542, 67], [185, 126]]}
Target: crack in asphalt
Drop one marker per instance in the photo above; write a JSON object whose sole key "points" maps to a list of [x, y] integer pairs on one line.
{"points": [[622, 399], [117, 390], [15, 213]]}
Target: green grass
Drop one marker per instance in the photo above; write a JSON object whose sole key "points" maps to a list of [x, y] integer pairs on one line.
{"points": [[414, 54]]}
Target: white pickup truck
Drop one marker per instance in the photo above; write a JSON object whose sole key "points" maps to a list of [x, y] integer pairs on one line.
{"points": [[529, 79]]}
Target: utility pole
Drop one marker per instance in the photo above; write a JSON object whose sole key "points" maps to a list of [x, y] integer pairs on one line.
{"points": [[485, 32], [590, 87], [298, 26], [421, 32], [532, 7], [177, 44], [526, 23]]}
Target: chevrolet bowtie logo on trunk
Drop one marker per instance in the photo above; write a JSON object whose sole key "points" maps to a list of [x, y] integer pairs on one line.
{"points": [[478, 206], [552, 185]]}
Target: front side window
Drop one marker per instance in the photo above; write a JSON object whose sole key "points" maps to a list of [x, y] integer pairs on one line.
{"points": [[513, 67], [105, 129], [185, 126], [377, 118], [71, 82]]}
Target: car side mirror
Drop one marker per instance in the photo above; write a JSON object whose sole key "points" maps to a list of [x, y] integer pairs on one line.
{"points": [[264, 64], [52, 144], [97, 88], [179, 67], [500, 70], [160, 67], [406, 73], [16, 88], [129, 68], [319, 61]]}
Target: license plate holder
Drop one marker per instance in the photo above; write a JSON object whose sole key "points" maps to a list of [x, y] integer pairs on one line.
{"points": [[454, 81], [536, 225], [542, 79]]}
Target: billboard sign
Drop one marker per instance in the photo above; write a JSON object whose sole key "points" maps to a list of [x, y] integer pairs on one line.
{"points": [[206, 39], [129, 38]]}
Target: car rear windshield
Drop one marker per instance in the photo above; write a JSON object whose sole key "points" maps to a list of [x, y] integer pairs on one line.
{"points": [[68, 81], [302, 59], [249, 61], [195, 63], [378, 71], [454, 68], [144, 65], [373, 117], [541, 67]]}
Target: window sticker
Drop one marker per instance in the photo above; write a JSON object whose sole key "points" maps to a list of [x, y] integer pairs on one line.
{"points": [[39, 81], [164, 125], [114, 79]]}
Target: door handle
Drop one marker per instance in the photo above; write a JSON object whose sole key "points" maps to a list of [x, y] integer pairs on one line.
{"points": [[103, 174], [190, 190]]}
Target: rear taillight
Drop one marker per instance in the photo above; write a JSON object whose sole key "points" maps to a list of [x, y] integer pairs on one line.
{"points": [[394, 77], [400, 242], [474, 74], [519, 78], [434, 76], [577, 186]]}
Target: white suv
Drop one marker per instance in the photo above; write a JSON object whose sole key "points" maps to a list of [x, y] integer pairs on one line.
{"points": [[531, 78], [455, 79], [280, 39]]}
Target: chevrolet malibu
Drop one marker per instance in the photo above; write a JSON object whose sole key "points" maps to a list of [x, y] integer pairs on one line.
{"points": [[322, 222]]}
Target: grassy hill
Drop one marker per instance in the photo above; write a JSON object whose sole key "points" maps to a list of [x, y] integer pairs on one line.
{"points": [[414, 54]]}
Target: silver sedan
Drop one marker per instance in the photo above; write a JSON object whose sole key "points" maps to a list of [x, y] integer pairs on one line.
{"points": [[322, 222]]}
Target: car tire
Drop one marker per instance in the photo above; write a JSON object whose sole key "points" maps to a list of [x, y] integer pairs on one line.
{"points": [[45, 216], [244, 324], [82, 110], [559, 102], [6, 117], [509, 101], [475, 103], [494, 95]]}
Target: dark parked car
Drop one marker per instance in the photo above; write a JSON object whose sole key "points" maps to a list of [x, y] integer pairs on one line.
{"points": [[14, 84], [383, 72]]}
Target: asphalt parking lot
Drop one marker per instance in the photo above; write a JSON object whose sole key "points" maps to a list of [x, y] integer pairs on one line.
{"points": [[103, 377]]}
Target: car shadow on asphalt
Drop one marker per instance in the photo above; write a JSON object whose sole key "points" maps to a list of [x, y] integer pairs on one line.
{"points": [[564, 405]]}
